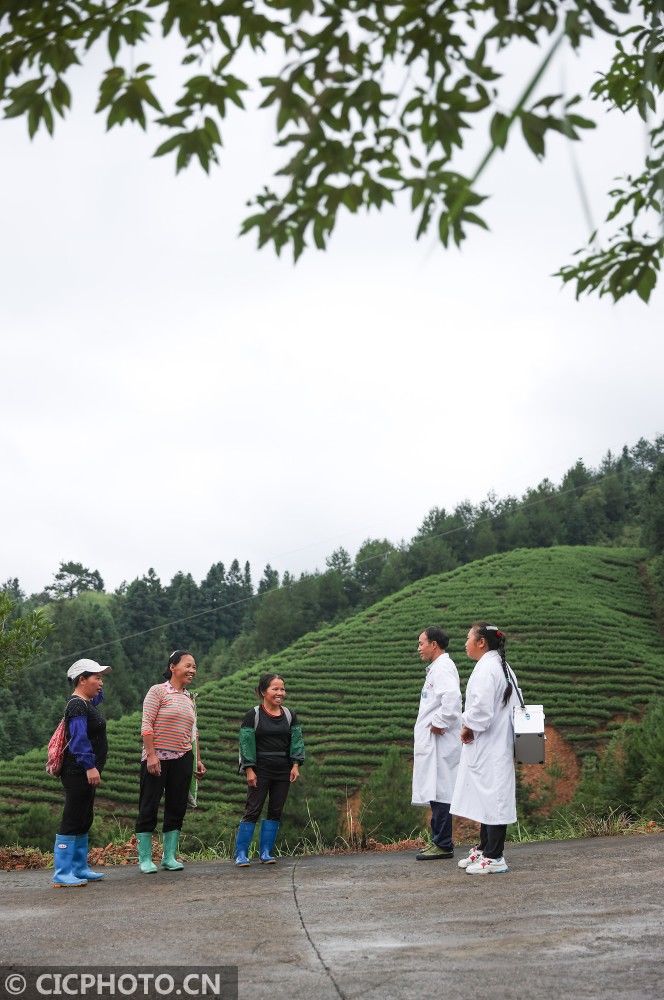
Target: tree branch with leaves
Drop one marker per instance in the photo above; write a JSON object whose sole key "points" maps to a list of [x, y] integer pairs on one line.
{"points": [[21, 638], [373, 100]]}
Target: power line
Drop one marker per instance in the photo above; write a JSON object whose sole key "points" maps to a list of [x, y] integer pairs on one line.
{"points": [[258, 596]]}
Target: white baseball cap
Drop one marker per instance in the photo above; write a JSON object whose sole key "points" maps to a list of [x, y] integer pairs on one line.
{"points": [[86, 667]]}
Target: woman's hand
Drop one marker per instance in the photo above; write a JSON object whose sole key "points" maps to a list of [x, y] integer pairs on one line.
{"points": [[200, 768], [252, 779], [154, 764], [93, 776], [294, 773], [467, 735], [436, 730]]}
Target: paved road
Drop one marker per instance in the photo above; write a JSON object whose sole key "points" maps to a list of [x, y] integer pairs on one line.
{"points": [[582, 919]]}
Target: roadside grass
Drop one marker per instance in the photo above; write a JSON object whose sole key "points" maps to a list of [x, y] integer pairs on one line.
{"points": [[579, 823], [564, 824]]}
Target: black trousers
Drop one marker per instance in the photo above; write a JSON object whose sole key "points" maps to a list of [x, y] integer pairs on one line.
{"points": [[441, 825], [276, 786], [78, 812], [173, 783], [492, 840]]}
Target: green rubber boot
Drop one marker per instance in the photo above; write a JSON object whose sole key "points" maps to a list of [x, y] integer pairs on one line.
{"points": [[145, 862], [169, 861]]}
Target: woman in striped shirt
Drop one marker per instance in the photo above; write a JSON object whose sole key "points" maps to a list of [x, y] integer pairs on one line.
{"points": [[168, 729]]}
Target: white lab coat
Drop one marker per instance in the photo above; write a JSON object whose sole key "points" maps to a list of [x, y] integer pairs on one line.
{"points": [[436, 758], [485, 787]]}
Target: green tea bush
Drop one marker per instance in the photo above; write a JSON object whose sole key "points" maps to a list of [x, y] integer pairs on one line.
{"points": [[311, 811], [37, 827], [214, 828], [628, 775], [386, 809]]}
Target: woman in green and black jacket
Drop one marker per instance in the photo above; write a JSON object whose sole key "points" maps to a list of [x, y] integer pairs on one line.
{"points": [[271, 751]]}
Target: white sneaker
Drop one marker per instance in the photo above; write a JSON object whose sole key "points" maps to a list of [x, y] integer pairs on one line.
{"points": [[487, 866], [474, 855]]}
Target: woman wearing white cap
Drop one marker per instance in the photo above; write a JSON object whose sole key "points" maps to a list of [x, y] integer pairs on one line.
{"points": [[84, 760]]}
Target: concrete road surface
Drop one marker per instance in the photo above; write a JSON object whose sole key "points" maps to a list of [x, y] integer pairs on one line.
{"points": [[571, 919]]}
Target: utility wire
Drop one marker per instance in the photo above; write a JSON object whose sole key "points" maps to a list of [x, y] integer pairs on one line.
{"points": [[458, 204], [576, 173], [363, 562]]}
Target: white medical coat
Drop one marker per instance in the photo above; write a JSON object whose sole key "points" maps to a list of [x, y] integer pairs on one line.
{"points": [[485, 787], [436, 758]]}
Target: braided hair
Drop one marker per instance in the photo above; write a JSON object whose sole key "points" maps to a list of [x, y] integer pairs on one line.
{"points": [[495, 639]]}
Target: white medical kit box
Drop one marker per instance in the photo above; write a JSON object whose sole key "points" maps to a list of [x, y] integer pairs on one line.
{"points": [[529, 736]]}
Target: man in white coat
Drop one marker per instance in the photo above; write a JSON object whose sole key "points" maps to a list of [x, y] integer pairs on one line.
{"points": [[437, 741]]}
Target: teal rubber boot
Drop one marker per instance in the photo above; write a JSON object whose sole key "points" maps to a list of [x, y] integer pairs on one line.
{"points": [[245, 833], [169, 861], [80, 867], [63, 859], [145, 862], [268, 836]]}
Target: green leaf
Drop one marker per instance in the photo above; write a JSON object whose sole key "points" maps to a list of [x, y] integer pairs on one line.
{"points": [[646, 283], [212, 130], [500, 124], [533, 129], [47, 115], [319, 233], [169, 145], [113, 42], [27, 89], [33, 118], [474, 219], [60, 96], [175, 121], [351, 197], [444, 228]]}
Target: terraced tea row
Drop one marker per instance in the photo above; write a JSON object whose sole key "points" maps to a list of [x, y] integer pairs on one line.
{"points": [[580, 636]]}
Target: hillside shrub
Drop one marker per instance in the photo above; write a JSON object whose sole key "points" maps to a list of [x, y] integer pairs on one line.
{"points": [[386, 810], [656, 579], [628, 775], [37, 827], [8, 832], [311, 812], [214, 828]]}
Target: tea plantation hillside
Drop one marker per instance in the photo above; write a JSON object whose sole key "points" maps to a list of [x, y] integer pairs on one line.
{"points": [[582, 639]]}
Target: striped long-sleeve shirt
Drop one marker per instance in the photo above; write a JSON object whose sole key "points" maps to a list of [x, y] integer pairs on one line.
{"points": [[168, 715]]}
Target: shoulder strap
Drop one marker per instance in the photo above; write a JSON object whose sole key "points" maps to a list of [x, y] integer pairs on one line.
{"points": [[515, 686], [287, 712]]}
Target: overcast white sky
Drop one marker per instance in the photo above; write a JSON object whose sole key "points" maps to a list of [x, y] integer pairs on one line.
{"points": [[170, 396]]}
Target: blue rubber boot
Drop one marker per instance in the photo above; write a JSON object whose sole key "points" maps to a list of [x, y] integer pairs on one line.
{"points": [[269, 829], [245, 833], [63, 859], [169, 861], [80, 866]]}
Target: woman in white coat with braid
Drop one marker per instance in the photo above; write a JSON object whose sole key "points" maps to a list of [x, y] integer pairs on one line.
{"points": [[485, 789], [437, 746]]}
